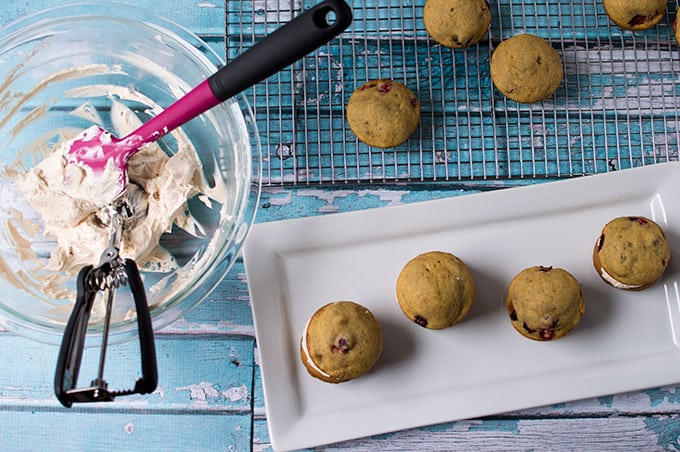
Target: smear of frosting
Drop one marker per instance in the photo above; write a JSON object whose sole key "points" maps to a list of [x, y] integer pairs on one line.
{"points": [[62, 195], [47, 240], [67, 201]]}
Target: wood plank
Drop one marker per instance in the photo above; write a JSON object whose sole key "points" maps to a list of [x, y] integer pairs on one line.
{"points": [[258, 394], [634, 434], [211, 374], [226, 310], [25, 430], [279, 203], [205, 17]]}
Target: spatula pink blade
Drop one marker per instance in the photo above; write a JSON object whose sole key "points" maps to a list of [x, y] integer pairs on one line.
{"points": [[96, 148]]}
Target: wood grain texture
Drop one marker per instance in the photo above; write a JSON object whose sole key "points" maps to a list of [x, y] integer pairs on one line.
{"points": [[210, 394], [653, 433], [210, 373], [202, 17], [28, 431]]}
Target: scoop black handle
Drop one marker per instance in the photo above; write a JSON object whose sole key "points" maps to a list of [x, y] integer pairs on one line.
{"points": [[284, 46], [73, 343]]}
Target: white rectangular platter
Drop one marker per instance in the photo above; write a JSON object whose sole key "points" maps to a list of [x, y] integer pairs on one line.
{"points": [[625, 341]]}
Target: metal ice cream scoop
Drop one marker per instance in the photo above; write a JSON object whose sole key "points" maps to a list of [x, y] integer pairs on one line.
{"points": [[305, 33], [111, 272]]}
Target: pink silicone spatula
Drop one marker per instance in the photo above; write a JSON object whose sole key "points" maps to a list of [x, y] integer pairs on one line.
{"points": [[302, 35]]}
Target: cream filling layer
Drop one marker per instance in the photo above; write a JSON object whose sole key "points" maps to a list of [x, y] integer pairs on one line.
{"points": [[619, 285], [308, 356]]}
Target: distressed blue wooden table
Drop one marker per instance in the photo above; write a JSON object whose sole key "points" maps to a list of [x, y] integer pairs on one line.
{"points": [[617, 108]]}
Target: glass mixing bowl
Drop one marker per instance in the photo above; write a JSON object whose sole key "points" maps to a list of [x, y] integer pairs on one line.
{"points": [[61, 70]]}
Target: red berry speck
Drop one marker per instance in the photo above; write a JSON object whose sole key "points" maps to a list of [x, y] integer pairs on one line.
{"points": [[342, 346], [420, 320], [637, 20], [546, 334], [639, 220], [385, 87]]}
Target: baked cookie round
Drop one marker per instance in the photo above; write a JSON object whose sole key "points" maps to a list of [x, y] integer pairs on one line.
{"points": [[435, 290], [631, 253], [544, 303], [342, 341], [383, 113], [676, 28], [526, 68], [635, 14], [457, 23]]}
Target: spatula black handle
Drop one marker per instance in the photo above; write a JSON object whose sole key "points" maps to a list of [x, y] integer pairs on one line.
{"points": [[284, 46]]}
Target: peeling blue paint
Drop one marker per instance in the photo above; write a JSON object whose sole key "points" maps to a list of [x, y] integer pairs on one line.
{"points": [[445, 427], [657, 396], [278, 203], [425, 195], [497, 425], [384, 436], [667, 429], [607, 401]]}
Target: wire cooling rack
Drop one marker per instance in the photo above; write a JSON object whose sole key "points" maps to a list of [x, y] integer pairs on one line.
{"points": [[618, 106]]}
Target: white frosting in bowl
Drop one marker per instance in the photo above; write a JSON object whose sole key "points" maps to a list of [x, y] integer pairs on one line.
{"points": [[65, 197], [62, 73]]}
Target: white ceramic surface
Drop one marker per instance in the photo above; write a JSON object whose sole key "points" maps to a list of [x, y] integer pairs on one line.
{"points": [[625, 341]]}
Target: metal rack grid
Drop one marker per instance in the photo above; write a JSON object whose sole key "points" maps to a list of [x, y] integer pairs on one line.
{"points": [[618, 106]]}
